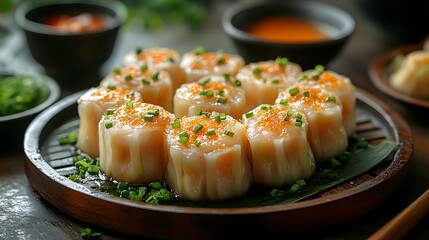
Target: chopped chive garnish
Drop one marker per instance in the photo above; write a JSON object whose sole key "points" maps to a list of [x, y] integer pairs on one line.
{"points": [[257, 70], [275, 81], [298, 124], [117, 71], [198, 128], [289, 113], [144, 68], [203, 81], [306, 93], [128, 77], [176, 123], [330, 99], [207, 93], [155, 76], [148, 118], [221, 100], [220, 60], [227, 77], [153, 112], [222, 116], [198, 112], [111, 87], [110, 112], [210, 132], [197, 143], [334, 163], [217, 118], [237, 83], [319, 68], [108, 125], [145, 81], [183, 137], [199, 50], [171, 59], [298, 115], [264, 80], [293, 91], [229, 133], [266, 107], [248, 114], [283, 102], [129, 104], [221, 92], [282, 61]]}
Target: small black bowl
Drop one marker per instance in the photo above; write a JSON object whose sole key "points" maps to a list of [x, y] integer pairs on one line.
{"points": [[238, 18], [74, 59], [13, 126], [407, 21]]}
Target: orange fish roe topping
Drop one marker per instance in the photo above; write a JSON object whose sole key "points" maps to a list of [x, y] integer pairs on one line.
{"points": [[207, 60], [310, 96], [207, 89], [156, 56], [270, 71], [137, 115], [274, 119], [142, 75], [204, 129], [120, 95]]}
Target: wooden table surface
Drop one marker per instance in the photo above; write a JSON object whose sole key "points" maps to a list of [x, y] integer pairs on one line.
{"points": [[24, 214]]}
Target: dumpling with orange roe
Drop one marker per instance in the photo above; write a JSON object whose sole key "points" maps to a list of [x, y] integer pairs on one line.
{"points": [[207, 157], [342, 86], [160, 59], [155, 86], [323, 109], [91, 107], [132, 142], [262, 80], [279, 150], [211, 93], [200, 63]]}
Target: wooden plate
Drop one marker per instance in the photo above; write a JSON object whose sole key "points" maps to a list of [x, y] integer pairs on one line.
{"points": [[379, 74], [48, 163]]}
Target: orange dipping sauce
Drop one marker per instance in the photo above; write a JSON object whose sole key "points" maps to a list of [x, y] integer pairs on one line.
{"points": [[78, 23], [287, 29]]}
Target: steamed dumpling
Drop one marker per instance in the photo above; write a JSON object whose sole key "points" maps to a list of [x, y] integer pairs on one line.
{"points": [[131, 142], [279, 149], [211, 93], [207, 157], [91, 107], [160, 59], [262, 80], [200, 63], [341, 86], [323, 110], [155, 86], [412, 77]]}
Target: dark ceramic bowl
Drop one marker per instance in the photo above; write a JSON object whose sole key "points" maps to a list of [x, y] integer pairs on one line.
{"points": [[405, 20], [74, 59], [237, 19], [13, 126]]}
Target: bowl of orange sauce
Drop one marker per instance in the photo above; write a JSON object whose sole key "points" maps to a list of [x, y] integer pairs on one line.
{"points": [[71, 40], [306, 32]]}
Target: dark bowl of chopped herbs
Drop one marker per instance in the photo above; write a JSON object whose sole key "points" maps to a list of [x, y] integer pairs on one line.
{"points": [[22, 97]]}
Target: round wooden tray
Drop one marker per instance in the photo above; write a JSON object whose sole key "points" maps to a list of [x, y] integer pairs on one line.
{"points": [[48, 163], [379, 74]]}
